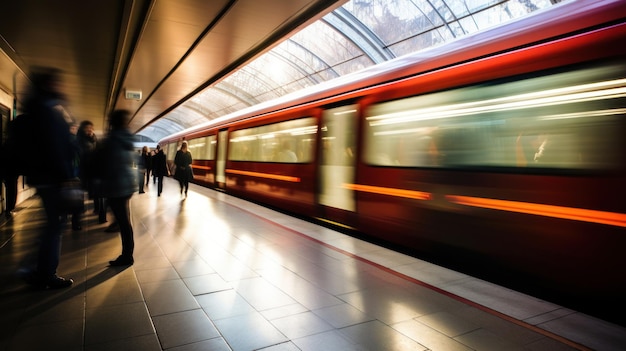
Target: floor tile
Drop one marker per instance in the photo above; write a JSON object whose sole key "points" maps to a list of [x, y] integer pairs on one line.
{"points": [[110, 323], [168, 296], [224, 304], [301, 324], [377, 336], [249, 332], [138, 343], [206, 284], [183, 328], [340, 316]]}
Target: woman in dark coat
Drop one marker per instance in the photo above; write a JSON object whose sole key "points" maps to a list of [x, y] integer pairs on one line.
{"points": [[183, 173], [115, 156], [87, 143]]}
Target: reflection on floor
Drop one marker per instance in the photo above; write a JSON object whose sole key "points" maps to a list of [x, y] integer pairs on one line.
{"points": [[213, 272]]}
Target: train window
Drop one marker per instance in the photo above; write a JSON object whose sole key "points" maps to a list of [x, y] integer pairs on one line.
{"points": [[286, 142], [203, 148], [570, 120], [170, 151]]}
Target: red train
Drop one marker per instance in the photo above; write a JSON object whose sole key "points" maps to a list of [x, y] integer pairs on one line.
{"points": [[500, 154]]}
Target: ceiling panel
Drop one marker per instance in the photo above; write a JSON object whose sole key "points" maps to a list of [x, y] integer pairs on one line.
{"points": [[104, 47]]}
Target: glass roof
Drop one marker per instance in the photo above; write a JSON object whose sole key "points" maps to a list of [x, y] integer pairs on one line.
{"points": [[357, 35]]}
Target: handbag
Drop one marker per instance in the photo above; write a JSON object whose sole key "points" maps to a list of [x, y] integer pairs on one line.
{"points": [[71, 197]]}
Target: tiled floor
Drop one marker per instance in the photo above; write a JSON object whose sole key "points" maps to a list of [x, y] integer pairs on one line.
{"points": [[213, 272]]}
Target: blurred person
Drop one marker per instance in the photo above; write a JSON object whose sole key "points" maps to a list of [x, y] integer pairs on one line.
{"points": [[119, 181], [87, 143], [183, 172], [76, 214], [286, 154], [9, 174], [159, 168], [148, 161], [142, 166], [51, 140], [153, 153]]}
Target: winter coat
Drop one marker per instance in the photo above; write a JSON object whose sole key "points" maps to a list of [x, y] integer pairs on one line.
{"points": [[50, 141], [183, 166], [114, 162], [159, 164], [87, 146]]}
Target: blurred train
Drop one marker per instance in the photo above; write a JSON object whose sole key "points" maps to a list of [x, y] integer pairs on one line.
{"points": [[501, 154]]}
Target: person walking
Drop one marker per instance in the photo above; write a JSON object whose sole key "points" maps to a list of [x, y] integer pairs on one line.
{"points": [[148, 161], [143, 162], [159, 168], [183, 173], [119, 180], [50, 136]]}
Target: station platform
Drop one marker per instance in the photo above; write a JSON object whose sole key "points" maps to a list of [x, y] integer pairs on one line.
{"points": [[215, 272]]}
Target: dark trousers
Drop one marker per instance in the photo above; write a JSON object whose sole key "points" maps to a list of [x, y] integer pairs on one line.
{"points": [[120, 206], [148, 170], [141, 175], [160, 184], [100, 207], [50, 238], [184, 185]]}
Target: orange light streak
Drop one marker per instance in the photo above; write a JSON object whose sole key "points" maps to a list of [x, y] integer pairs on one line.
{"points": [[207, 168], [578, 214], [411, 194], [265, 175]]}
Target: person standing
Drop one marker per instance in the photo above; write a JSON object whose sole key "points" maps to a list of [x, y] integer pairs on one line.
{"points": [[10, 174], [141, 170], [87, 143], [148, 161], [77, 213], [159, 168], [115, 159], [50, 136], [183, 173]]}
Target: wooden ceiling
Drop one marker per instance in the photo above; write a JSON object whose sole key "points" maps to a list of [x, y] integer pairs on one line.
{"points": [[166, 49]]}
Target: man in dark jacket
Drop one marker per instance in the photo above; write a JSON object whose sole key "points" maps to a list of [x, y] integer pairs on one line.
{"points": [[159, 168], [116, 156], [50, 137]]}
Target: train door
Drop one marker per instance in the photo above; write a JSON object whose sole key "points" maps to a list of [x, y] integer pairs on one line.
{"points": [[337, 163], [220, 167]]}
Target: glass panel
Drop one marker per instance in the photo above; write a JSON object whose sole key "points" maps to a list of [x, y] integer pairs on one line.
{"points": [[286, 142], [171, 151], [338, 151], [203, 148], [320, 53], [563, 120]]}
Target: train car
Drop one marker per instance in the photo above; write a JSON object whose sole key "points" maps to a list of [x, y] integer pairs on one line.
{"points": [[500, 154]]}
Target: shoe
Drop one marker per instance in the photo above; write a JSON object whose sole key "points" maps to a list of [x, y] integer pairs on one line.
{"points": [[59, 282], [40, 283], [122, 261], [113, 228], [142, 192]]}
